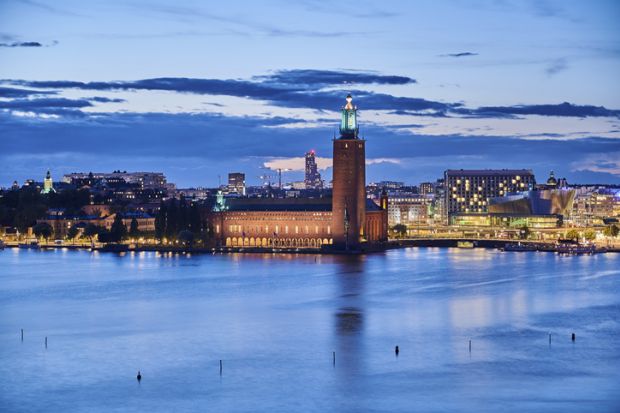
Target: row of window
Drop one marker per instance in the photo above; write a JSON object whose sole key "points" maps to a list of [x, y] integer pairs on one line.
{"points": [[235, 228]]}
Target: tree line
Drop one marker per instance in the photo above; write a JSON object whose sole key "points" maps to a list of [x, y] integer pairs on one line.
{"points": [[183, 221]]}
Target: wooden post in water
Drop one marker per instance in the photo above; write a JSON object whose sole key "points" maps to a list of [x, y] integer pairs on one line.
{"points": [[470, 346], [334, 356], [396, 351], [45, 342], [549, 338], [220, 367], [573, 337], [22, 334]]}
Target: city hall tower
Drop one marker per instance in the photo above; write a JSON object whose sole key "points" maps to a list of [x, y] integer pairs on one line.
{"points": [[349, 182]]}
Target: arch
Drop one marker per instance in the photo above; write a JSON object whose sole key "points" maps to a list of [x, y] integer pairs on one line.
{"points": [[228, 242], [234, 242], [325, 241], [313, 243], [252, 242], [264, 242], [246, 242]]}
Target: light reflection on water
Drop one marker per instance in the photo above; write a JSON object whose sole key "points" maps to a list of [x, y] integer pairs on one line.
{"points": [[276, 319]]}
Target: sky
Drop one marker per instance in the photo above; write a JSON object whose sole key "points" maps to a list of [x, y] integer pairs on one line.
{"points": [[198, 89]]}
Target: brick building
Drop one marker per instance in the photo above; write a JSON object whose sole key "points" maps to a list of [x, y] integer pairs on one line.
{"points": [[346, 221]]}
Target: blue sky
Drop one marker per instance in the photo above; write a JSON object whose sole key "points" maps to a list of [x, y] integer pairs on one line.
{"points": [[200, 89]]}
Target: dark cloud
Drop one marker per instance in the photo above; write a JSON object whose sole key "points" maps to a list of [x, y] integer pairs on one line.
{"points": [[70, 108], [308, 89], [195, 149], [30, 104], [308, 77], [556, 67], [279, 89], [461, 54], [563, 109], [9, 92], [21, 44], [100, 99]]}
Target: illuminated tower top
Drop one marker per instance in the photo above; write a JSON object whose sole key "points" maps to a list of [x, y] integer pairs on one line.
{"points": [[348, 120], [48, 184]]}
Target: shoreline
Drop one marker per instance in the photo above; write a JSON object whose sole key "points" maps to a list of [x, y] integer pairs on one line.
{"points": [[471, 243]]}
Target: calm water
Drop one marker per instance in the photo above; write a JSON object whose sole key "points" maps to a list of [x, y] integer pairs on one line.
{"points": [[275, 320]]}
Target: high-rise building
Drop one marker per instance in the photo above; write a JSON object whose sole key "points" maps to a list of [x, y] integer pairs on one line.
{"points": [[349, 181], [469, 191], [427, 188], [236, 183], [313, 177]]}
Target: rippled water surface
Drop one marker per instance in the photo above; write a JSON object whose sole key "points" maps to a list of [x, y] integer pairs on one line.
{"points": [[275, 321]]}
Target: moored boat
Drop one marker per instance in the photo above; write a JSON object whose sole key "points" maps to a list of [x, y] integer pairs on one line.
{"points": [[32, 245], [520, 247]]}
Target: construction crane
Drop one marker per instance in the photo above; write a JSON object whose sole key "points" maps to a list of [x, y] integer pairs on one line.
{"points": [[279, 171]]}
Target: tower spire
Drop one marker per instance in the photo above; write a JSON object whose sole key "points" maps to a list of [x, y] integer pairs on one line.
{"points": [[348, 120]]}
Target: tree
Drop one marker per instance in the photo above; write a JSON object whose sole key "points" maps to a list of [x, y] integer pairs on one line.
{"points": [[90, 231], [400, 230], [160, 221], [118, 231], [572, 234], [43, 230], [611, 231], [589, 235], [73, 232], [133, 228], [186, 237], [172, 219]]}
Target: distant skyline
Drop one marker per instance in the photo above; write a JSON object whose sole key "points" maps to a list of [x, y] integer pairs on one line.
{"points": [[197, 90]]}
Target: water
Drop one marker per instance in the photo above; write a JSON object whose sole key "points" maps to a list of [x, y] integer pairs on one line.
{"points": [[275, 320]]}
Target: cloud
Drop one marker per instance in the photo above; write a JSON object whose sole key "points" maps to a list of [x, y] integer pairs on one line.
{"points": [[608, 163], [26, 104], [324, 90], [296, 163], [375, 161], [461, 54], [100, 99], [9, 92], [193, 149], [21, 44], [563, 109], [556, 67], [308, 77]]}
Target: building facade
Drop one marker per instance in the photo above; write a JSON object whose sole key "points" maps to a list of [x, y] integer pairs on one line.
{"points": [[236, 183], [410, 210], [469, 191]]}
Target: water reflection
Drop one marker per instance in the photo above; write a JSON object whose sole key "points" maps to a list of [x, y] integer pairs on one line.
{"points": [[349, 315]]}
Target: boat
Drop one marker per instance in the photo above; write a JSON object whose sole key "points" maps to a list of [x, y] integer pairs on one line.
{"points": [[576, 249], [465, 244], [115, 248], [32, 245], [520, 247]]}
